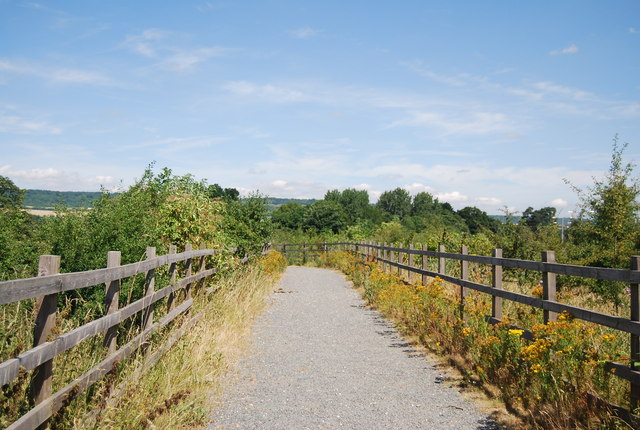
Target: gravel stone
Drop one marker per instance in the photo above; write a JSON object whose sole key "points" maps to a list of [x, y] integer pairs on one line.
{"points": [[320, 359]]}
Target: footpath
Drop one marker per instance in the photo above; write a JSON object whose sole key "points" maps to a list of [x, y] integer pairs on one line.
{"points": [[320, 359]]}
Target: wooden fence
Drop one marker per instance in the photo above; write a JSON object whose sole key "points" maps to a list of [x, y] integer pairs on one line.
{"points": [[402, 259], [45, 289]]}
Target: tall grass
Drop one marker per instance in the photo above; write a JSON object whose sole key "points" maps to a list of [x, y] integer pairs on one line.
{"points": [[174, 392]]}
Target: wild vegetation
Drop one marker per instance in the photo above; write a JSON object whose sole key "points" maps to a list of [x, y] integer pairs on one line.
{"points": [[159, 210], [548, 382]]}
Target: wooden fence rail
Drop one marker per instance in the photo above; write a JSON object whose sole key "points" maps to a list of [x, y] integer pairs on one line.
{"points": [[45, 289], [394, 257]]}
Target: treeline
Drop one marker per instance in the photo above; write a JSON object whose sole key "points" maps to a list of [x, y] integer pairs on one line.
{"points": [[605, 232], [46, 199]]}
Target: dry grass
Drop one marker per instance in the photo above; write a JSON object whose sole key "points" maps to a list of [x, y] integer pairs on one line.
{"points": [[172, 393], [177, 391]]}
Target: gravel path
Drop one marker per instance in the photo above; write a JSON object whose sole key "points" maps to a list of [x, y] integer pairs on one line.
{"points": [[321, 360]]}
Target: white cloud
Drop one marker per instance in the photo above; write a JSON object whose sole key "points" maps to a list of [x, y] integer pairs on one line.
{"points": [[489, 201], [551, 88], [183, 61], [173, 144], [143, 43], [417, 187], [571, 49], [473, 124], [12, 123], [453, 196], [53, 179], [633, 30], [304, 33], [271, 93], [559, 203], [63, 75]]}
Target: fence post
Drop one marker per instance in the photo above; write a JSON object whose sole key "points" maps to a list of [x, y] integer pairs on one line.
{"points": [[441, 260], [549, 286], [496, 282], [147, 320], [392, 257], [284, 249], [172, 280], [203, 266], [112, 295], [635, 340], [187, 271], [46, 307], [399, 259], [410, 274], [464, 275], [425, 264]]}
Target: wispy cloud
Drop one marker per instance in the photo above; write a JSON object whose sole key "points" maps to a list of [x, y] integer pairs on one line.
{"points": [[173, 144], [473, 124], [183, 61], [63, 75], [633, 30], [143, 43], [268, 92], [458, 80], [304, 33], [164, 47], [571, 49], [13, 123]]}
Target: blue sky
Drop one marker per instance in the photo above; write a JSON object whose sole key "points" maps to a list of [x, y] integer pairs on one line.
{"points": [[486, 104]]}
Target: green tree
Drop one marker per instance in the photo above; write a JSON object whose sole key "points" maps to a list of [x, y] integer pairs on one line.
{"points": [[536, 218], [355, 203], [477, 220], [423, 204], [10, 195], [608, 227], [395, 203], [325, 216], [289, 216]]}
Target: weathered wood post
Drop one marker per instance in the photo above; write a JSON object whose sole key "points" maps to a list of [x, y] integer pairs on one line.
{"points": [[635, 340], [464, 275], [304, 253], [112, 296], [46, 307], [202, 267], [392, 257], [410, 272], [187, 271], [549, 286], [399, 259], [171, 300], [425, 264], [496, 282], [441, 261], [147, 319]]}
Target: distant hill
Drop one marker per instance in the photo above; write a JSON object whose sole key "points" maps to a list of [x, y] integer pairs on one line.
{"points": [[276, 201], [45, 199]]}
